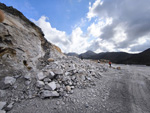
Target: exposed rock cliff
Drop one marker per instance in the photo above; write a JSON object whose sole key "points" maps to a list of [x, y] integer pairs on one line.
{"points": [[32, 67], [22, 43]]}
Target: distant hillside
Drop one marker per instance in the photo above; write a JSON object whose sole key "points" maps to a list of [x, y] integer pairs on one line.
{"points": [[120, 57], [87, 55], [141, 58], [72, 54]]}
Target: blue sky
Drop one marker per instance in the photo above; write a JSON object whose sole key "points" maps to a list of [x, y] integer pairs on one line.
{"points": [[62, 14], [97, 25]]}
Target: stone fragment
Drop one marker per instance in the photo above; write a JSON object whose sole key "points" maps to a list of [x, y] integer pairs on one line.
{"points": [[71, 91], [41, 76], [40, 84], [58, 71], [10, 106], [58, 86], [50, 86], [73, 77], [2, 93], [47, 80], [9, 80], [51, 74], [67, 73], [68, 88], [72, 87], [2, 105], [27, 82], [50, 60], [47, 93], [27, 76], [2, 111]]}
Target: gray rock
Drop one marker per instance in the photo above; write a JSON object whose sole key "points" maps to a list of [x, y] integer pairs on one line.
{"points": [[47, 80], [73, 78], [58, 86], [2, 105], [47, 93], [67, 73], [72, 87], [9, 80], [40, 84], [41, 76], [51, 74], [2, 93], [28, 76], [68, 88], [50, 86], [10, 106], [58, 71], [27, 82], [2, 111]]}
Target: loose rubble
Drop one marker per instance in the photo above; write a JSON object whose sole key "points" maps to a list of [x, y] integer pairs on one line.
{"points": [[55, 79]]}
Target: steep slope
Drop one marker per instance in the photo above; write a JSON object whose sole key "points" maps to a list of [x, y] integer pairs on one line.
{"points": [[22, 43], [141, 58]]}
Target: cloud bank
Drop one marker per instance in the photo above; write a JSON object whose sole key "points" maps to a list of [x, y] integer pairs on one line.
{"points": [[130, 22], [113, 25]]}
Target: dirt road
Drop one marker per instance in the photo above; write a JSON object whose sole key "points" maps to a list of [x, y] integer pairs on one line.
{"points": [[117, 91]]}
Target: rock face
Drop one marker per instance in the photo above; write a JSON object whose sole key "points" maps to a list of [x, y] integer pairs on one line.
{"points": [[22, 43], [32, 67], [1, 16]]}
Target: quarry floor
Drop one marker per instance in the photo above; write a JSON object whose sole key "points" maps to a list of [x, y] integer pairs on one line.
{"points": [[117, 91]]}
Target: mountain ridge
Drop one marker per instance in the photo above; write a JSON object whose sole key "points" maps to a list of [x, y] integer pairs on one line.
{"points": [[120, 57]]}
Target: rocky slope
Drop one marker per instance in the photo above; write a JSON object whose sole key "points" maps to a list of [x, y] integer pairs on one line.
{"points": [[22, 43], [23, 49], [31, 67]]}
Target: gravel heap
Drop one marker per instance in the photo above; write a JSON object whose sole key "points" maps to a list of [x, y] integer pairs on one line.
{"points": [[55, 78]]}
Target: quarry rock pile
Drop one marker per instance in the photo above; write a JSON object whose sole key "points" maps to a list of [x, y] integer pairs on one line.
{"points": [[32, 67], [56, 79]]}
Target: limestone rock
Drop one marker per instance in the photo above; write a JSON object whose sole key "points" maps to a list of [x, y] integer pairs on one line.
{"points": [[50, 86], [10, 106], [51, 74], [28, 76], [40, 84], [41, 76], [58, 71], [68, 88], [2, 111], [2, 105], [2, 93], [47, 93], [9, 80]]}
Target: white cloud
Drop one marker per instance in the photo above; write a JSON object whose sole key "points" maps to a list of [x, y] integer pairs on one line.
{"points": [[53, 35], [129, 23], [95, 28], [91, 13], [79, 42], [75, 42], [114, 25]]}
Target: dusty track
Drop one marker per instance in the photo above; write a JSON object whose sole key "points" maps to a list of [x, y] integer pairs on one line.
{"points": [[118, 91]]}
